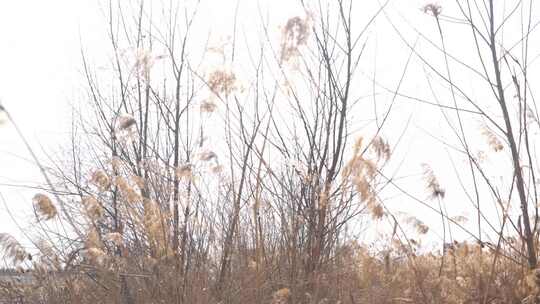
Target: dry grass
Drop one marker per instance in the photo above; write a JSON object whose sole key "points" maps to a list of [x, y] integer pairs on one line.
{"points": [[468, 274], [136, 263], [155, 214]]}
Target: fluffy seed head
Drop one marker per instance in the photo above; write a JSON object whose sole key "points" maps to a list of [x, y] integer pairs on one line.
{"points": [[125, 122], [420, 227], [44, 207], [492, 139], [432, 9], [92, 208], [12, 249], [95, 255], [436, 191], [294, 34], [207, 155], [208, 106], [222, 82], [381, 148], [217, 169], [101, 180], [184, 171], [114, 237]]}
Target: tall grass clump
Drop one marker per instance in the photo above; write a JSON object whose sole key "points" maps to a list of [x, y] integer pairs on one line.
{"points": [[193, 178]]}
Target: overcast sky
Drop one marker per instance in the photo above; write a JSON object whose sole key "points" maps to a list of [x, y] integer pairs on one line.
{"points": [[39, 74], [40, 79]]}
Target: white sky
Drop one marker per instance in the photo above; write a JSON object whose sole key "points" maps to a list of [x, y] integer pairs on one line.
{"points": [[40, 77], [39, 63]]}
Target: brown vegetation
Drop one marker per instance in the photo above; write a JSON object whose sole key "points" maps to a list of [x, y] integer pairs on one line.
{"points": [[185, 186]]}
